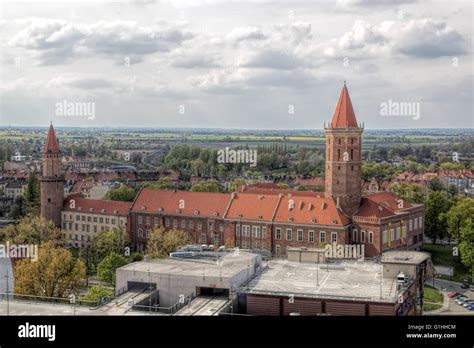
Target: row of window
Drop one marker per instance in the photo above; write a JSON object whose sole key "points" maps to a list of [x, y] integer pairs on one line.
{"points": [[69, 226], [257, 231], [190, 224], [95, 219], [77, 237], [311, 236], [355, 236]]}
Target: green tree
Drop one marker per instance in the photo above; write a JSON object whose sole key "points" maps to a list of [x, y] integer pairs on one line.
{"points": [[207, 186], [106, 268], [106, 242], [457, 216], [96, 293], [466, 246], [124, 193], [409, 192], [436, 206], [163, 242], [435, 184], [54, 274], [31, 230], [31, 195], [234, 184]]}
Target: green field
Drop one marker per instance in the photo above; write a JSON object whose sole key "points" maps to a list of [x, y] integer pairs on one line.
{"points": [[433, 299]]}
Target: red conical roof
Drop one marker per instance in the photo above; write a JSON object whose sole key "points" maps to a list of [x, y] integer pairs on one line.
{"points": [[52, 144], [344, 116]]}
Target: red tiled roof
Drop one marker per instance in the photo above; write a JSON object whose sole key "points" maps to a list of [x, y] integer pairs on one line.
{"points": [[97, 206], [344, 116], [310, 210], [381, 204], [253, 206], [52, 145], [206, 203]]}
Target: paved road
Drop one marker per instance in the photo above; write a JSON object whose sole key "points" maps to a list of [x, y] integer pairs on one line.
{"points": [[449, 306]]}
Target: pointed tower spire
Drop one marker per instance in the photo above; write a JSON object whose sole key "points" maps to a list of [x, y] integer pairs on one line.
{"points": [[344, 116], [52, 145]]}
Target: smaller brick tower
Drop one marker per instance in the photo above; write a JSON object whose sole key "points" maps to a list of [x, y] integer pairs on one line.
{"points": [[343, 156], [52, 181]]}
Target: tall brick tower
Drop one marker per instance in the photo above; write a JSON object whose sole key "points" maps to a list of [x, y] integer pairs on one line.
{"points": [[52, 181], [343, 155]]}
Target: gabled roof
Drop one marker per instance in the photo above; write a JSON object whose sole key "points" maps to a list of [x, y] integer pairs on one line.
{"points": [[96, 206], [381, 204], [52, 145], [151, 200], [251, 206], [344, 116], [310, 210]]}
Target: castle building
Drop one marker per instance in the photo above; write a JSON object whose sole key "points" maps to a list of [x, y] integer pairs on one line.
{"points": [[52, 181], [255, 218]]}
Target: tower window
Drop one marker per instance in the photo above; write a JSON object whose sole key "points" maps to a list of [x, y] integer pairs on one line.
{"points": [[352, 141], [338, 167], [339, 153], [352, 154], [339, 141], [49, 200], [352, 168]]}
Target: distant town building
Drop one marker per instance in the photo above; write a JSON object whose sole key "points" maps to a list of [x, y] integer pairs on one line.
{"points": [[82, 218]]}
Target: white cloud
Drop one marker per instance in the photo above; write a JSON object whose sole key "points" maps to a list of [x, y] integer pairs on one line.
{"points": [[53, 41]]}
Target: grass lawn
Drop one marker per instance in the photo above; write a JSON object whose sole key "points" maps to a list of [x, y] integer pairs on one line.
{"points": [[431, 306], [433, 299], [433, 295], [442, 255]]}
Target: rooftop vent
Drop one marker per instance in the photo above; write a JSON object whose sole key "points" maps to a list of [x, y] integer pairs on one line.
{"points": [[216, 213], [160, 209], [290, 218], [178, 211], [314, 220], [196, 212]]}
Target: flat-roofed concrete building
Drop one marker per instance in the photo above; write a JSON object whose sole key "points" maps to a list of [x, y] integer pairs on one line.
{"points": [[175, 278], [393, 286]]}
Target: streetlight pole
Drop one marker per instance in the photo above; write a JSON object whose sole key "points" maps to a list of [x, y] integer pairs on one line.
{"points": [[8, 295]]}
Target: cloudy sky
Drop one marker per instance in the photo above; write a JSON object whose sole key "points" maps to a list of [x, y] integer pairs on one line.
{"points": [[236, 64]]}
